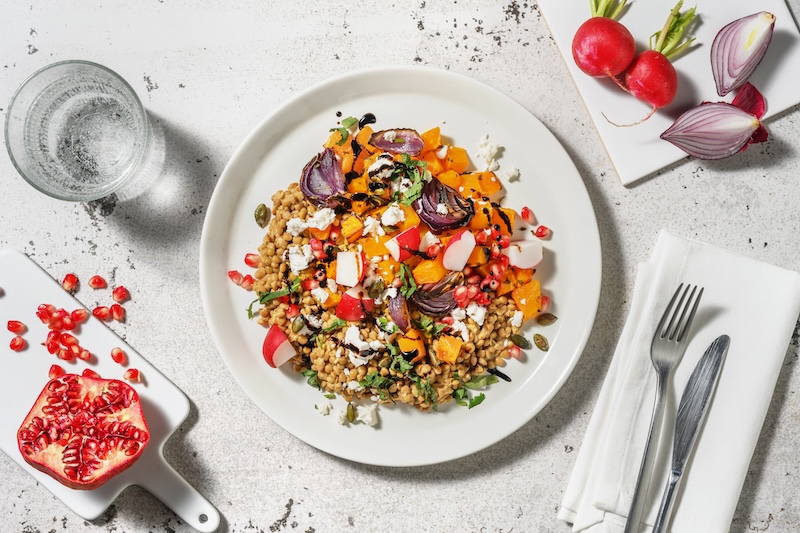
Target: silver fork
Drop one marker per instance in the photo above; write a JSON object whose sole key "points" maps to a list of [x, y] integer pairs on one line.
{"points": [[666, 351]]}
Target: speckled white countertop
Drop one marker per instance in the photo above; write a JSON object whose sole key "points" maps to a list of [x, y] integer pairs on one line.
{"points": [[208, 72]]}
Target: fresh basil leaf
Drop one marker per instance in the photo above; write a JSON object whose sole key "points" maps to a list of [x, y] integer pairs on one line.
{"points": [[336, 324], [482, 381], [459, 394], [312, 377], [477, 400]]}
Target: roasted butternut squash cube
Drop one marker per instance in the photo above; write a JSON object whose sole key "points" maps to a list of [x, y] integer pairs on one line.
{"points": [[527, 298], [456, 159], [412, 345], [429, 270], [448, 348], [432, 140], [352, 226]]}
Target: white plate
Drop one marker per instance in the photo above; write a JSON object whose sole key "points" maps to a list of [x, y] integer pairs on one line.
{"points": [[638, 151], [274, 154]]}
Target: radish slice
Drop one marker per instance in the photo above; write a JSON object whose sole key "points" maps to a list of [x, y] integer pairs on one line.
{"points": [[276, 348], [524, 254]]}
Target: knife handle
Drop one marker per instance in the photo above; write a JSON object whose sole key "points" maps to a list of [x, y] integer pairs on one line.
{"points": [[665, 509]]}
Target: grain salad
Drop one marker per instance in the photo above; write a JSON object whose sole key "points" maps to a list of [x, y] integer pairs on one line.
{"points": [[390, 272]]}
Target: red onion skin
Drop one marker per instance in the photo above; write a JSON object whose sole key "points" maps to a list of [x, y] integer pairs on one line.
{"points": [[733, 58], [412, 143], [398, 310], [435, 192], [322, 178]]}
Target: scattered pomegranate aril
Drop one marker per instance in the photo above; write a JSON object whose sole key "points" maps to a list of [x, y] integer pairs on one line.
{"points": [[17, 344], [495, 271], [433, 250], [495, 251], [117, 312], [84, 354], [527, 216], [65, 355], [544, 303], [448, 320], [309, 284], [55, 324], [460, 294], [247, 282], [514, 351], [132, 375], [89, 373], [102, 312], [56, 372], [504, 241], [292, 311], [68, 324], [68, 340], [43, 315], [74, 349], [252, 260], [315, 243], [79, 315], [474, 279], [483, 299], [235, 276], [120, 294], [118, 356], [52, 347], [97, 282], [53, 336], [82, 431], [15, 326], [70, 283], [320, 275], [542, 232]]}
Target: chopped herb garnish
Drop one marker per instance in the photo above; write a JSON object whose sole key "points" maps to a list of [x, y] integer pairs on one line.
{"points": [[376, 381], [427, 324], [426, 389], [459, 394], [399, 364], [476, 400], [480, 382], [343, 131], [408, 284], [330, 395], [385, 325], [336, 324], [349, 121], [312, 377]]}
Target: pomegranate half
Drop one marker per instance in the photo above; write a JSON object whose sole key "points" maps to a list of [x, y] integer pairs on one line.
{"points": [[83, 431]]}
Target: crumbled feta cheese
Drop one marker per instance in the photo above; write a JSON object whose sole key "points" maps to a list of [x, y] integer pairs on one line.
{"points": [[314, 321], [516, 320], [476, 312], [295, 226], [299, 258], [324, 408], [458, 314], [382, 167], [367, 414], [372, 227], [441, 153], [332, 286], [459, 327], [488, 152], [523, 301], [390, 135], [441, 209], [428, 240], [512, 174], [393, 215], [319, 220], [353, 338], [354, 385], [341, 416], [346, 372], [320, 294]]}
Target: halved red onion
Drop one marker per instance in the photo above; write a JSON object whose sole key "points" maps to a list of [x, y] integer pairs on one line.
{"points": [[400, 141], [714, 130], [322, 178], [738, 48], [398, 310], [460, 210], [437, 299]]}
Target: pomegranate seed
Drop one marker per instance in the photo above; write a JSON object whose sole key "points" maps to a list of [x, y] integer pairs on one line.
{"points": [[252, 260], [448, 320], [292, 311], [235, 276], [495, 270], [84, 354], [320, 275], [397, 283], [102, 312], [494, 284], [514, 351], [43, 315], [120, 294], [315, 243], [117, 312], [460, 294], [544, 303], [118, 355], [70, 283], [542, 232], [89, 373], [309, 284], [56, 324], [505, 240], [17, 344], [68, 323], [433, 250], [52, 347], [79, 315], [527, 216], [480, 238], [472, 292], [97, 282], [483, 299], [474, 279], [335, 233], [15, 326], [75, 350], [319, 255], [68, 340], [247, 282], [284, 299], [132, 375], [467, 271], [504, 261], [65, 354], [56, 372], [53, 336], [495, 252]]}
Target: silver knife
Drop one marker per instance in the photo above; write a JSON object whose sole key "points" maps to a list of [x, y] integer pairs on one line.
{"points": [[691, 413]]}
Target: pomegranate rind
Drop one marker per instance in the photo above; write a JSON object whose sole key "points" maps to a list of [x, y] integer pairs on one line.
{"points": [[83, 431]]}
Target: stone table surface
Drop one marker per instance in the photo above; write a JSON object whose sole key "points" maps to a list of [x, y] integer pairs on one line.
{"points": [[208, 72]]}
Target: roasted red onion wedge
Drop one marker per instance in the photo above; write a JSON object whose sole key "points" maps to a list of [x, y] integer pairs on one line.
{"points": [[398, 310], [738, 48], [436, 299], [401, 141], [459, 210], [322, 179]]}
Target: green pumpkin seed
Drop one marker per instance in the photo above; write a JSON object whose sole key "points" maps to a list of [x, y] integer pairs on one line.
{"points": [[376, 289], [541, 342], [521, 341], [545, 319], [351, 413], [297, 324], [261, 215]]}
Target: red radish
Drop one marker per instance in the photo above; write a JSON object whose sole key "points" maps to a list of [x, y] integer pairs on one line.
{"points": [[350, 268], [602, 47], [524, 254], [402, 244], [276, 348], [355, 304], [651, 77], [458, 250]]}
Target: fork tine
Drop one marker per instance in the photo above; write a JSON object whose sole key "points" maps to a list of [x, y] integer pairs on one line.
{"points": [[681, 309], [689, 320], [669, 331], [667, 311]]}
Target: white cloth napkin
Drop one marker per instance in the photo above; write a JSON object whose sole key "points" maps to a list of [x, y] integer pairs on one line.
{"points": [[757, 305]]}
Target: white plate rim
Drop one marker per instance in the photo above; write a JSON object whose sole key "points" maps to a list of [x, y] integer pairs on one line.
{"points": [[332, 439]]}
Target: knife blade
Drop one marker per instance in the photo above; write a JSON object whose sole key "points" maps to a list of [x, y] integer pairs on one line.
{"points": [[692, 411]]}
